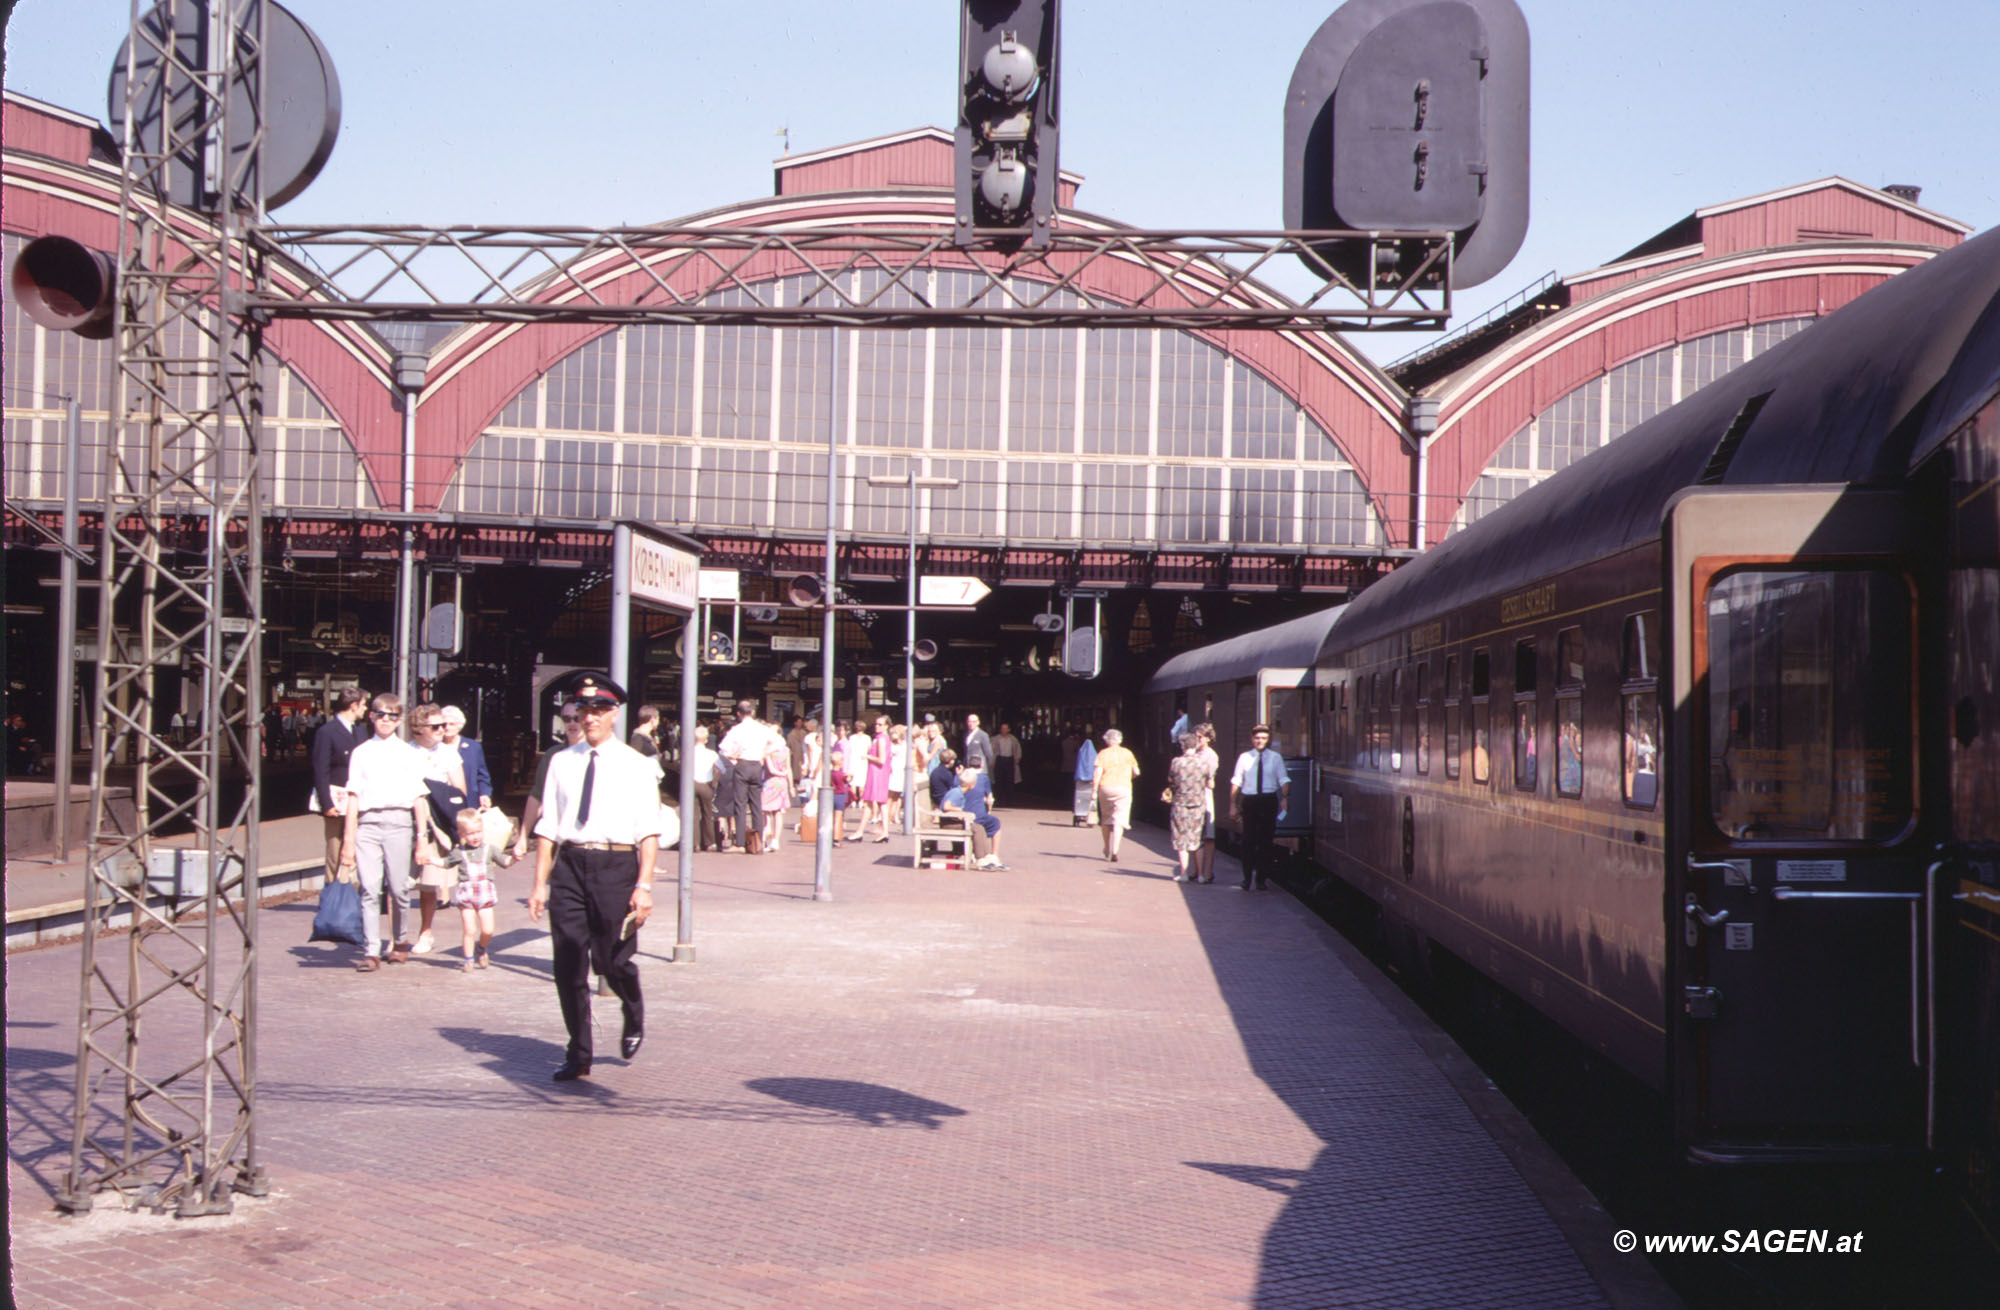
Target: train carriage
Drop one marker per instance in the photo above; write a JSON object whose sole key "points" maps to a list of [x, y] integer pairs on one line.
{"points": [[1260, 677], [1693, 745]]}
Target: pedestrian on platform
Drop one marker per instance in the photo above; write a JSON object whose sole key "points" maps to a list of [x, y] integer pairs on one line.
{"points": [[1006, 764], [742, 750], [444, 766], [471, 758], [968, 797], [388, 813], [837, 780], [978, 752], [1190, 784], [1213, 762], [475, 895], [875, 788], [1117, 769], [645, 736], [706, 766], [1259, 790], [778, 785], [899, 764], [944, 775], [570, 722], [332, 747], [1084, 771], [595, 844]]}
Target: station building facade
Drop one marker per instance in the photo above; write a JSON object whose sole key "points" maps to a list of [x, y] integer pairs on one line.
{"points": [[1178, 474]]}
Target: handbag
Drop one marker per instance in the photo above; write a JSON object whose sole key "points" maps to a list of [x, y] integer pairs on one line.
{"points": [[338, 918], [446, 801]]}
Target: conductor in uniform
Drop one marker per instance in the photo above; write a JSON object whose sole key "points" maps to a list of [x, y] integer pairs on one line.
{"points": [[594, 848], [1259, 791]]}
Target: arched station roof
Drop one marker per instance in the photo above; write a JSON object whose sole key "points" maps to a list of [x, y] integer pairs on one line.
{"points": [[900, 181], [1776, 260]]}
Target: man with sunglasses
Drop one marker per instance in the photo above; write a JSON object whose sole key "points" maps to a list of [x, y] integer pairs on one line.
{"points": [[386, 810], [595, 842]]}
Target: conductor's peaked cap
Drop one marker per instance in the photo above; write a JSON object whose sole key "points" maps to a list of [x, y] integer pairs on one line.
{"points": [[586, 688]]}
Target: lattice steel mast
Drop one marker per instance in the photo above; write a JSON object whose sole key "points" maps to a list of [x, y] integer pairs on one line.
{"points": [[171, 1121]]}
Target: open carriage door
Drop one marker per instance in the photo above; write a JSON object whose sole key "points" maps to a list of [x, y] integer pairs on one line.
{"points": [[1794, 886]]}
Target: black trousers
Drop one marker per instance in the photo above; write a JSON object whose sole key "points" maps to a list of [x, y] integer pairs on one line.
{"points": [[749, 799], [1260, 836], [704, 815], [590, 893]]}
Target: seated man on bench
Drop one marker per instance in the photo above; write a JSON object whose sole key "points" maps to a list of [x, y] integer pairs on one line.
{"points": [[969, 799]]}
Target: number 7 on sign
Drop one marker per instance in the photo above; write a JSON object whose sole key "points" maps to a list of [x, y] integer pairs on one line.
{"points": [[951, 590]]}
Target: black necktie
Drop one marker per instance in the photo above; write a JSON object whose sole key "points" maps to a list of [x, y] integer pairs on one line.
{"points": [[1261, 788], [589, 780]]}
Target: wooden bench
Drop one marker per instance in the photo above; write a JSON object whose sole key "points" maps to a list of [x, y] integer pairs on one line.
{"points": [[939, 841]]}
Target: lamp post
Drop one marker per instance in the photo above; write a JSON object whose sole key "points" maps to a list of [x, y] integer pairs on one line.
{"points": [[911, 479]]}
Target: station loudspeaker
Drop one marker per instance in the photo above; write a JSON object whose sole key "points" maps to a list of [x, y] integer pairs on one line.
{"points": [[806, 591], [924, 651], [1048, 622], [66, 287]]}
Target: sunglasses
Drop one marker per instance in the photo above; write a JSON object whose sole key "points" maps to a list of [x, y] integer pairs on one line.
{"points": [[570, 718], [385, 714], [434, 723]]}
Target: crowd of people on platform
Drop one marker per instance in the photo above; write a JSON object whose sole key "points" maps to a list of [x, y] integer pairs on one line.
{"points": [[409, 810]]}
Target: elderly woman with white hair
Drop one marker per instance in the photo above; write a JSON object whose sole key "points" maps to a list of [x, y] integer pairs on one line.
{"points": [[1112, 781]]}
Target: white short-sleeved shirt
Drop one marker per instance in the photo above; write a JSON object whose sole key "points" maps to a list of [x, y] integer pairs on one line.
{"points": [[624, 795], [1255, 776], [386, 773]]}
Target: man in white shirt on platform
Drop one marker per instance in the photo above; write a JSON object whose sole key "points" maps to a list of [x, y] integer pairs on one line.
{"points": [[595, 845], [1259, 790]]}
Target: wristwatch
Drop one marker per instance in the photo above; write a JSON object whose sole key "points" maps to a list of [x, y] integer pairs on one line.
{"points": [[642, 886]]}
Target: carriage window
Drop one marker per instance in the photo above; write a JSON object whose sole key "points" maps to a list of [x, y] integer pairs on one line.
{"points": [[1641, 658], [1285, 711], [1375, 721], [1424, 717], [1482, 718], [1569, 746], [1809, 732], [1451, 713], [1642, 748], [1569, 658], [1396, 721], [1524, 715]]}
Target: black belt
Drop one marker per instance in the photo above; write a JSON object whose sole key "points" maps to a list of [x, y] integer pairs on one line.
{"points": [[596, 846]]}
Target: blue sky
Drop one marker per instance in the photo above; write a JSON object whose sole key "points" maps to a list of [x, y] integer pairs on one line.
{"points": [[596, 112]]}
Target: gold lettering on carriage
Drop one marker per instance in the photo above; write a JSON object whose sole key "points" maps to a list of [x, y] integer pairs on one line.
{"points": [[1534, 603], [1424, 638]]}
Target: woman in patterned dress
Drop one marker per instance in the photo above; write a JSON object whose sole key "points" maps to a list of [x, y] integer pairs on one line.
{"points": [[1189, 782]]}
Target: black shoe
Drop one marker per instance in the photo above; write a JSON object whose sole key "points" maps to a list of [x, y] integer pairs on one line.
{"points": [[630, 1044], [571, 1071], [1242, 886]]}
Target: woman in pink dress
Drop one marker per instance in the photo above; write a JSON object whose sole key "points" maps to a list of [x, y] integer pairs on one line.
{"points": [[875, 791]]}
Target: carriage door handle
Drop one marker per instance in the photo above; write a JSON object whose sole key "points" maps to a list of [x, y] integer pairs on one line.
{"points": [[1693, 910]]}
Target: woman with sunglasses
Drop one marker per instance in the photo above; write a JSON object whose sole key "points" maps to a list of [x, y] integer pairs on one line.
{"points": [[387, 804]]}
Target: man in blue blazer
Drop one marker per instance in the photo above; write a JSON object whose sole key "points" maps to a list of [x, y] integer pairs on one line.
{"points": [[331, 745]]}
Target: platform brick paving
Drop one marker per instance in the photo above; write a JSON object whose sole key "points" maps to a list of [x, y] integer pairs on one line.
{"points": [[1074, 1084]]}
